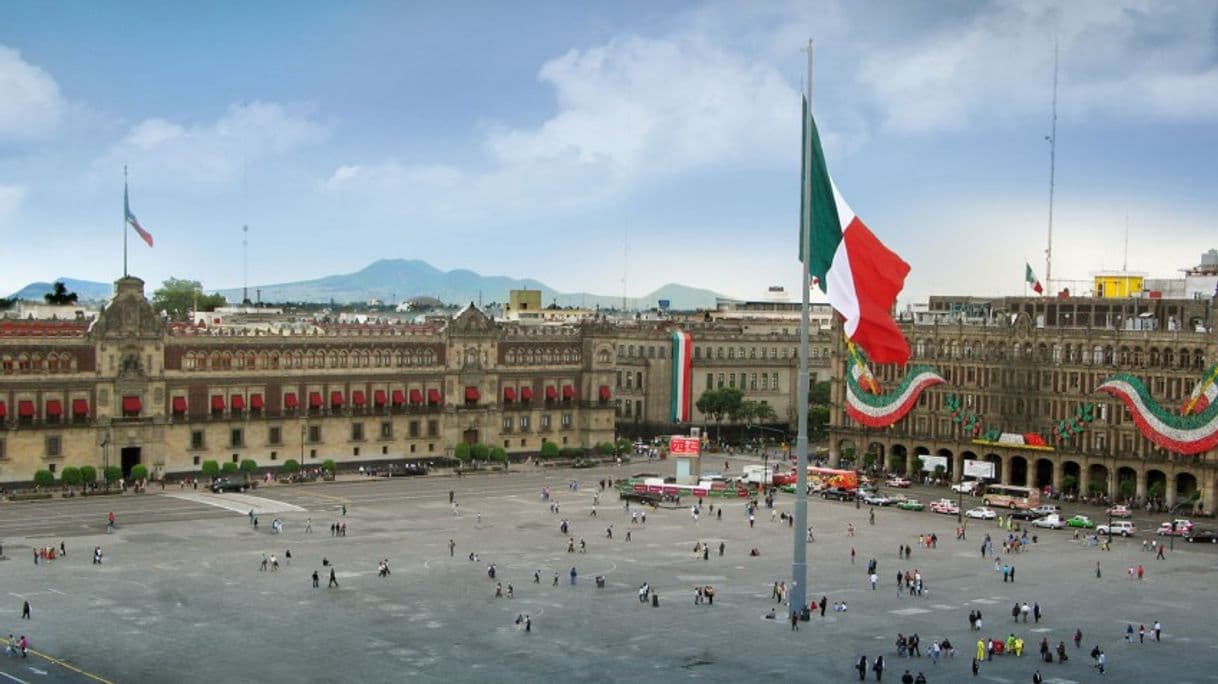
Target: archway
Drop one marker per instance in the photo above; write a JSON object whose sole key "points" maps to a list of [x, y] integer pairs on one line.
{"points": [[874, 459], [1127, 483], [1156, 485], [1044, 474], [997, 461], [898, 459], [130, 458], [1072, 473], [915, 463], [967, 456], [1186, 487], [1019, 471], [847, 450], [947, 464], [1097, 479]]}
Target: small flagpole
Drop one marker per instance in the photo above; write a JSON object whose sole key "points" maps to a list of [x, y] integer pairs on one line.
{"points": [[799, 555], [124, 220]]}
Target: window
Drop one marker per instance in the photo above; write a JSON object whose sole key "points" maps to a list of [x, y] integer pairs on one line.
{"points": [[638, 379], [710, 380], [386, 430], [697, 352], [731, 352], [433, 428], [774, 381], [731, 380], [524, 423], [720, 386], [236, 458], [274, 455], [413, 428], [719, 352], [274, 435], [312, 453], [355, 451], [194, 459], [357, 432], [235, 438], [765, 382], [314, 433], [196, 439], [753, 382], [545, 421], [566, 420], [507, 424], [54, 447], [2, 452], [619, 379]]}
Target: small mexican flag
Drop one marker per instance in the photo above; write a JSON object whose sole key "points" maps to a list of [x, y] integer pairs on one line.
{"points": [[1031, 279]]}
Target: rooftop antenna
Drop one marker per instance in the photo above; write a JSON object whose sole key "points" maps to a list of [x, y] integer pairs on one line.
{"points": [[625, 263], [1052, 138], [245, 265]]}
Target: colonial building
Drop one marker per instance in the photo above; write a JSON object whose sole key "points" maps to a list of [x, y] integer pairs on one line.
{"points": [[1017, 367]]}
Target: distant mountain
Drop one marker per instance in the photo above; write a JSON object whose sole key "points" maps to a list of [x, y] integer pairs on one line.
{"points": [[395, 280], [86, 290]]}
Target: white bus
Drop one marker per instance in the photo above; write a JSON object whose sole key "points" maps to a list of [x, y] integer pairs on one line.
{"points": [[1010, 496]]}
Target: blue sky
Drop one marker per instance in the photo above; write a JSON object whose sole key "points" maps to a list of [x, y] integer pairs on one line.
{"points": [[539, 139]]}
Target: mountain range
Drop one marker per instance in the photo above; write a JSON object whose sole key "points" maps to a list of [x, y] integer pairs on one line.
{"points": [[396, 280]]}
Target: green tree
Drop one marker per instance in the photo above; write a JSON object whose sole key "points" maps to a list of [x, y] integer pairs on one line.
{"points": [[88, 475], [6, 304], [178, 297], [70, 477], [462, 452], [113, 474], [605, 448], [59, 294], [329, 466], [549, 450], [44, 479], [211, 469], [139, 472], [1126, 487], [763, 412], [291, 466], [479, 452], [818, 422], [623, 445], [249, 466], [499, 455], [229, 468], [1069, 483]]}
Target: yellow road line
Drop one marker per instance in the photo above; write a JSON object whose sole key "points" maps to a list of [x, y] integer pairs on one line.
{"points": [[51, 659]]}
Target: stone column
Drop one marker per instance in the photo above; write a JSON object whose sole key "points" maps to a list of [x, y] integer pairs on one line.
{"points": [[1084, 478], [1169, 489], [835, 454], [1140, 489], [1207, 491], [1059, 471], [1006, 468], [1112, 483], [958, 467]]}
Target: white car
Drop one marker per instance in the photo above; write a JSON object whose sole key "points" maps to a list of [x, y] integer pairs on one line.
{"points": [[969, 487], [898, 482], [875, 499], [1124, 528], [946, 506], [981, 513], [1052, 522]]}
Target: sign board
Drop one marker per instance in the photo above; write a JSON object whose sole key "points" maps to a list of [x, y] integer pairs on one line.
{"points": [[684, 446], [664, 304], [978, 469], [929, 463]]}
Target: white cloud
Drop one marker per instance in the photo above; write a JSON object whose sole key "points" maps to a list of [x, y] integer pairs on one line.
{"points": [[11, 197], [1127, 59], [30, 103], [212, 153]]}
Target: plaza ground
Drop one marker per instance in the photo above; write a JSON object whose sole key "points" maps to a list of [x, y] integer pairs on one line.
{"points": [[180, 598]]}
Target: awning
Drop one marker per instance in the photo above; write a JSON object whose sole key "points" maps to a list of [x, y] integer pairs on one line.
{"points": [[605, 393], [217, 403], [179, 404], [399, 397], [255, 402], [471, 394], [416, 396], [526, 394], [357, 397], [289, 400], [378, 397], [80, 407], [509, 394], [54, 408], [237, 401], [551, 393], [568, 392], [25, 409], [336, 398], [433, 396], [132, 405], [315, 400], [3, 411]]}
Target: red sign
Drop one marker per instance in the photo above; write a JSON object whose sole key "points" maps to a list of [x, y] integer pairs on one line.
{"points": [[684, 446]]}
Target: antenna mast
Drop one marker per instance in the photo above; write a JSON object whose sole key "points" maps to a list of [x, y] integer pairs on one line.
{"points": [[1052, 175], [245, 265]]}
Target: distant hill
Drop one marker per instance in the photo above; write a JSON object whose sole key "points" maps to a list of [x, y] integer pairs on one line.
{"points": [[395, 280]]}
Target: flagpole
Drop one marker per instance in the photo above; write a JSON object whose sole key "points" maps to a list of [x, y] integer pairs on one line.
{"points": [[124, 220], [799, 555]]}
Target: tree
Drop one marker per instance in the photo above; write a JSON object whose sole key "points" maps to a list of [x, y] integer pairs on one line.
{"points": [[499, 455], [549, 450], [178, 297], [249, 466], [44, 479], [763, 412], [211, 469], [605, 448], [818, 422], [70, 477], [479, 452], [229, 468], [291, 466], [88, 475], [113, 474], [329, 466], [6, 304], [59, 294], [139, 472], [462, 452]]}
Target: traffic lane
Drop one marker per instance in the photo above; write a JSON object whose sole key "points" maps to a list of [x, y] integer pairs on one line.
{"points": [[43, 668], [71, 517]]}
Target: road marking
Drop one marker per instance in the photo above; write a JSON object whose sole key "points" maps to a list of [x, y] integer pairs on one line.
{"points": [[9, 676], [909, 611], [56, 591], [239, 503]]}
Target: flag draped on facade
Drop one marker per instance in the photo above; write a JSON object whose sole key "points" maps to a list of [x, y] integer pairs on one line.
{"points": [[858, 273], [682, 376], [133, 221], [1032, 280]]}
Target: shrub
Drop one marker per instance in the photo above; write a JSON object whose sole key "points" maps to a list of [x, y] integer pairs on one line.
{"points": [[479, 452], [291, 466], [211, 469], [571, 452], [329, 466], [71, 476], [44, 478], [606, 448], [499, 455], [549, 450], [88, 474], [113, 474], [249, 466], [462, 452], [229, 468], [139, 472]]}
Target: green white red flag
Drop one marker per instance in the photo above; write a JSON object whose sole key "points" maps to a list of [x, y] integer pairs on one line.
{"points": [[1032, 280]]}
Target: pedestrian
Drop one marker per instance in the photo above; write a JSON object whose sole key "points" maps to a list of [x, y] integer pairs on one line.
{"points": [[25, 610], [1078, 638], [852, 555], [1036, 611], [1158, 630], [1101, 661], [976, 666], [861, 666], [333, 579], [794, 621], [722, 546], [874, 579], [452, 545], [1037, 678], [344, 510], [907, 678], [451, 494], [878, 668], [23, 645], [316, 580], [1159, 556], [1141, 634], [573, 575], [1097, 569], [1012, 573], [528, 623], [823, 601]]}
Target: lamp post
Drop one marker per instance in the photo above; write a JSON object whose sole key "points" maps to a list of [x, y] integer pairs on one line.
{"points": [[106, 458], [303, 429]]}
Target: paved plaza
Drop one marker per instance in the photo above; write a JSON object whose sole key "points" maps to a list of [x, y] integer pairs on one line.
{"points": [[180, 597]]}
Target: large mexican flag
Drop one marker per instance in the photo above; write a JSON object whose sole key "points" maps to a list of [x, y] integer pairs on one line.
{"points": [[860, 276]]}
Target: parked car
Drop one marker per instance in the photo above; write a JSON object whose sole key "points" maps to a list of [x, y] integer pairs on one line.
{"points": [[910, 505], [1167, 530], [876, 499], [898, 482], [230, 484], [945, 506], [1196, 535], [1080, 521], [1052, 522], [1027, 514], [969, 487], [1046, 509], [1124, 528], [981, 513], [837, 494], [1119, 512]]}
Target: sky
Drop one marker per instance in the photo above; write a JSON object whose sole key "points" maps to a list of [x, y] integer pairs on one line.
{"points": [[603, 146]]}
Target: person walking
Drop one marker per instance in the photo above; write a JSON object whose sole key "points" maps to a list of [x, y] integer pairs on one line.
{"points": [[573, 575], [861, 666], [333, 579], [452, 546], [25, 610], [794, 621], [878, 668], [823, 601], [1158, 630]]}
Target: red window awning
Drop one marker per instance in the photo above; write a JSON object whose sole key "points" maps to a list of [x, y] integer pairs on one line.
{"points": [[568, 392], [378, 397], [605, 393], [315, 400], [179, 404], [336, 398], [25, 409], [471, 394], [551, 393], [357, 397], [54, 408], [399, 397], [132, 405], [433, 396], [80, 407], [256, 402], [3, 411], [526, 394], [237, 401], [217, 402], [290, 401], [509, 394], [416, 396]]}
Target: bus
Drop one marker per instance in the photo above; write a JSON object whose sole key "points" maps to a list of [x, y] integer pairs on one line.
{"points": [[1010, 496]]}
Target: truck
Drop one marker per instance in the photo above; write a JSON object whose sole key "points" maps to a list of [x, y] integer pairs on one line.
{"points": [[757, 474]]}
